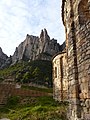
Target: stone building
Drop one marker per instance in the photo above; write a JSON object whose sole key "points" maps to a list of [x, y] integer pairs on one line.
{"points": [[60, 83], [76, 19]]}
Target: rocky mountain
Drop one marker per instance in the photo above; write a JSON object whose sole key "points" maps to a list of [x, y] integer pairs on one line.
{"points": [[3, 57], [33, 48]]}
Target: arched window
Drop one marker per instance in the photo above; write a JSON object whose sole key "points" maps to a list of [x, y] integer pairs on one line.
{"points": [[84, 11]]}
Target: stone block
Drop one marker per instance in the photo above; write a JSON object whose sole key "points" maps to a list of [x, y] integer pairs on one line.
{"points": [[85, 110], [87, 103], [87, 116]]}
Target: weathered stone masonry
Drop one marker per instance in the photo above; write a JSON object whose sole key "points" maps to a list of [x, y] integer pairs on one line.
{"points": [[76, 19], [60, 85]]}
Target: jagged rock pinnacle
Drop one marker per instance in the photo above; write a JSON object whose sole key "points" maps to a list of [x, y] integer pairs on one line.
{"points": [[33, 48]]}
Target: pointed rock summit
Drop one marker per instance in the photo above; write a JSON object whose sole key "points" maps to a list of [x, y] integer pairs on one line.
{"points": [[33, 48], [44, 35]]}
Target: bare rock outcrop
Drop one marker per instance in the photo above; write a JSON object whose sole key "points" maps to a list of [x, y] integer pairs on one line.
{"points": [[33, 48], [3, 57], [7, 63]]}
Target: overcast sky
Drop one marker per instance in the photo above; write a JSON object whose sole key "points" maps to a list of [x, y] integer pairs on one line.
{"points": [[21, 17]]}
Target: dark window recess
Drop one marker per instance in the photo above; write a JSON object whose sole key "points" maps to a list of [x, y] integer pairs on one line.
{"points": [[61, 66], [55, 72], [61, 80]]}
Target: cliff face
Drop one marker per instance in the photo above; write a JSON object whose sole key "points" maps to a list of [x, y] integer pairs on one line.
{"points": [[36, 48], [3, 57]]}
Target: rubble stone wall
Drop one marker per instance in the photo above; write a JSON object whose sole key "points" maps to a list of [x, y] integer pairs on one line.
{"points": [[12, 90]]}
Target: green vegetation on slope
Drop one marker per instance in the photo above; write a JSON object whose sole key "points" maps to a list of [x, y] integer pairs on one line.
{"points": [[48, 90], [39, 72], [31, 108]]}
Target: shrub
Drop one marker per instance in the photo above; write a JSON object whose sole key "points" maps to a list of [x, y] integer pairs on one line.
{"points": [[13, 101]]}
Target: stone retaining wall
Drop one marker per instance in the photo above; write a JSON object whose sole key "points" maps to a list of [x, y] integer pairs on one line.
{"points": [[7, 90]]}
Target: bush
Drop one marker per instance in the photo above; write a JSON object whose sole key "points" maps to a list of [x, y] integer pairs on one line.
{"points": [[1, 79], [13, 101]]}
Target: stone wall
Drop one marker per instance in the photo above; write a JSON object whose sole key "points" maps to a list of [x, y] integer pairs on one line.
{"points": [[60, 77], [13, 90], [76, 18]]}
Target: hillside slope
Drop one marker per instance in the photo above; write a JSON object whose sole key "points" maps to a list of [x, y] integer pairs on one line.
{"points": [[33, 108], [36, 72]]}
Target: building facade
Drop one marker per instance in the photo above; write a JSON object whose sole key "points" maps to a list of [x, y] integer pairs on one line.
{"points": [[76, 19]]}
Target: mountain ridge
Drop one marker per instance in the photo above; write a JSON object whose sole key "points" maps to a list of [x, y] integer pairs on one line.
{"points": [[34, 48]]}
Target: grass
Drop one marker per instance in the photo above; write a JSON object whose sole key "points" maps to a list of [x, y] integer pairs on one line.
{"points": [[33, 108], [48, 90]]}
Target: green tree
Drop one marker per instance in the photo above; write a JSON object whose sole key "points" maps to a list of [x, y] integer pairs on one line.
{"points": [[37, 74], [26, 77], [18, 77], [1, 79]]}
